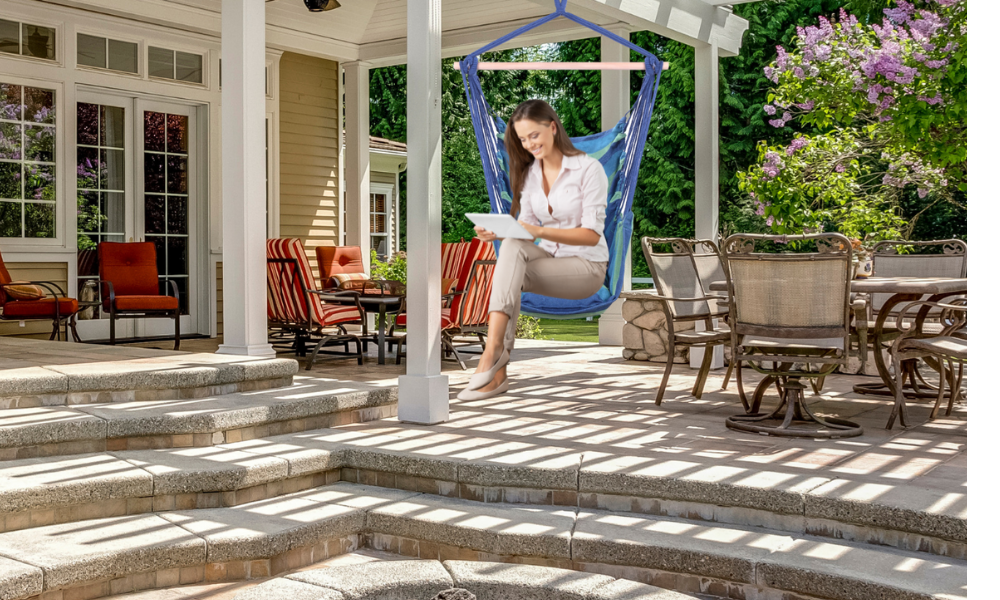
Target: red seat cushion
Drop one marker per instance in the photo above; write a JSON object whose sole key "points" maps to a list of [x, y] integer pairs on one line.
{"points": [[39, 309], [123, 303]]}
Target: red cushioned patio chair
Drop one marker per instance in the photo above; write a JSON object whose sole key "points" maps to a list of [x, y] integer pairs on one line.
{"points": [[130, 285], [464, 312], [345, 261], [296, 316], [27, 301]]}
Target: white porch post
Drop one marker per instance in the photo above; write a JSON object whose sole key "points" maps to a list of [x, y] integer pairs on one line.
{"points": [[706, 142], [423, 391], [614, 104], [357, 171], [244, 232]]}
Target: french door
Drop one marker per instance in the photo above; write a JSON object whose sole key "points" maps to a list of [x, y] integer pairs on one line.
{"points": [[137, 181]]}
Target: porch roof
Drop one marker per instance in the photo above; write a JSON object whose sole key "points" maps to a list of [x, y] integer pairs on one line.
{"points": [[375, 31]]}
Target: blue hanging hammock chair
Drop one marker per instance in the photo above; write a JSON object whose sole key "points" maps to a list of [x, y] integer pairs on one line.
{"points": [[619, 150]]}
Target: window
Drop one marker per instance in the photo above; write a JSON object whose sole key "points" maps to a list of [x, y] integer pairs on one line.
{"points": [[27, 162], [176, 65], [379, 225], [34, 41], [104, 53]]}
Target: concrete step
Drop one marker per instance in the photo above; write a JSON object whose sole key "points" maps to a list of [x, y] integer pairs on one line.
{"points": [[95, 558], [309, 403], [49, 490], [39, 373]]}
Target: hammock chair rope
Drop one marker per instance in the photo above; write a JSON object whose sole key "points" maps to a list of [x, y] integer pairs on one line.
{"points": [[619, 150]]}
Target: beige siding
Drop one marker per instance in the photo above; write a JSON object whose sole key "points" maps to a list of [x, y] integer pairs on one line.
{"points": [[310, 149], [54, 272]]}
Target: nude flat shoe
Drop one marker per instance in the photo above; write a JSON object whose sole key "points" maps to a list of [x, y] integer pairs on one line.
{"points": [[483, 379], [468, 394]]}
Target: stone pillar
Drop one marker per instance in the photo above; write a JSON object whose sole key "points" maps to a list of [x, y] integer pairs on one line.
{"points": [[357, 171], [423, 391], [706, 142], [614, 104], [244, 228]]}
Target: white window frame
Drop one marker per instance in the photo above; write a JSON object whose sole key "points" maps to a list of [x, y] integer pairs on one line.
{"points": [[58, 26], [206, 60], [140, 53], [386, 189]]}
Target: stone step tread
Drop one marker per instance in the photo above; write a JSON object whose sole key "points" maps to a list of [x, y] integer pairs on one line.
{"points": [[45, 368], [38, 483], [303, 399], [108, 548]]}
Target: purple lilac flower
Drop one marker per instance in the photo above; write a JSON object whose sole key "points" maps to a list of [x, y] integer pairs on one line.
{"points": [[799, 72], [902, 13], [769, 109], [782, 60], [922, 193], [839, 168], [797, 144], [805, 105], [770, 221]]}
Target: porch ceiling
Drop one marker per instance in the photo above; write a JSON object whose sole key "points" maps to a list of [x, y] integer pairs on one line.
{"points": [[375, 31]]}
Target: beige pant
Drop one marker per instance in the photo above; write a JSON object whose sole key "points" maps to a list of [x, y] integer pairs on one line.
{"points": [[523, 266]]}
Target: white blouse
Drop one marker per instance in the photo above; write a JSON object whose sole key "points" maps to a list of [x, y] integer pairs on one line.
{"points": [[578, 198]]}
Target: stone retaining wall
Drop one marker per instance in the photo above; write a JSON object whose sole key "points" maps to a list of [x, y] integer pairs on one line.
{"points": [[645, 331]]}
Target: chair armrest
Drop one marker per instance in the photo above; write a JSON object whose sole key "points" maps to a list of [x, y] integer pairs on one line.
{"points": [[111, 291], [177, 294], [926, 305], [50, 287]]}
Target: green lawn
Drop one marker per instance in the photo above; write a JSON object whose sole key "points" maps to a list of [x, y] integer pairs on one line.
{"points": [[569, 330]]}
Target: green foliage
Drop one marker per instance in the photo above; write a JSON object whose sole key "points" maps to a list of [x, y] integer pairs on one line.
{"points": [[393, 270], [528, 328]]}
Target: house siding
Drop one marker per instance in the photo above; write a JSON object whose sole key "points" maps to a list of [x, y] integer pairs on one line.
{"points": [[310, 151]]}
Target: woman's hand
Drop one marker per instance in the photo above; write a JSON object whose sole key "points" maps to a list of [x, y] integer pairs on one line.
{"points": [[534, 230], [484, 234]]}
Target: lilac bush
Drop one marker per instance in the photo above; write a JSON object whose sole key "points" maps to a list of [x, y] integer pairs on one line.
{"points": [[887, 104]]}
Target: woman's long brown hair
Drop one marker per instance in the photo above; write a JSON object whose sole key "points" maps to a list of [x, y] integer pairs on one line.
{"points": [[540, 112]]}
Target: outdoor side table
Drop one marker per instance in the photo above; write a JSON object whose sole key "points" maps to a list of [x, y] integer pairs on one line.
{"points": [[372, 294]]}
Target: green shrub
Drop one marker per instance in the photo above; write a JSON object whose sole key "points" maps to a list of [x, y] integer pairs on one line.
{"points": [[528, 328], [394, 270]]}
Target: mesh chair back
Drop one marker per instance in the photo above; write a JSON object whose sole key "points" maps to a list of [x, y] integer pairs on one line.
{"points": [[288, 280], [473, 310], [950, 262], [675, 276], [788, 295]]}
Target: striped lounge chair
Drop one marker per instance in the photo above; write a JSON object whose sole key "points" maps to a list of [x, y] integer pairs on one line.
{"points": [[465, 312], [296, 316]]}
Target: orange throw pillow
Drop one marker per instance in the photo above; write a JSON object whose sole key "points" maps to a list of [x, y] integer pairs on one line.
{"points": [[20, 290]]}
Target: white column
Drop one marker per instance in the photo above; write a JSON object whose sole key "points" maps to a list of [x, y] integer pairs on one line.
{"points": [[423, 391], [357, 171], [706, 142], [615, 103], [244, 230]]}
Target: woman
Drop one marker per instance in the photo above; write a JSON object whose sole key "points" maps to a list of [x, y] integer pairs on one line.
{"points": [[560, 196]]}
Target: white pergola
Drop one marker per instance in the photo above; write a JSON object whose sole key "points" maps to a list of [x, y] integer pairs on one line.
{"points": [[366, 33]]}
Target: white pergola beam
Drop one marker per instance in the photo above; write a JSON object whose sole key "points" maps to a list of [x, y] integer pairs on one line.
{"points": [[244, 228], [706, 142], [357, 170], [615, 102], [423, 391]]}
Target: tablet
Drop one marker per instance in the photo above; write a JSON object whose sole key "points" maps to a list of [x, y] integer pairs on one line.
{"points": [[503, 226]]}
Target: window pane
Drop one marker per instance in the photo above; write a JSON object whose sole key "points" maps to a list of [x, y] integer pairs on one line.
{"points": [[113, 126], [177, 214], [156, 216], [113, 171], [38, 42], [161, 63], [10, 181], [87, 168], [86, 124], [10, 102], [40, 220], [10, 40], [182, 290], [39, 143], [154, 173], [177, 255], [123, 56], [88, 214], [10, 141], [177, 174], [177, 134], [39, 105], [188, 67], [10, 219], [154, 138], [39, 182], [113, 206], [91, 51], [161, 252]]}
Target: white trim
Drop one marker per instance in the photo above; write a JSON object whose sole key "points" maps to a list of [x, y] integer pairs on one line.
{"points": [[44, 19], [387, 190], [127, 37]]}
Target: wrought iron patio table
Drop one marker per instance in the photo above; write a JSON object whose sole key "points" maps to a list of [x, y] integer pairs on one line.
{"points": [[902, 289], [386, 296]]}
